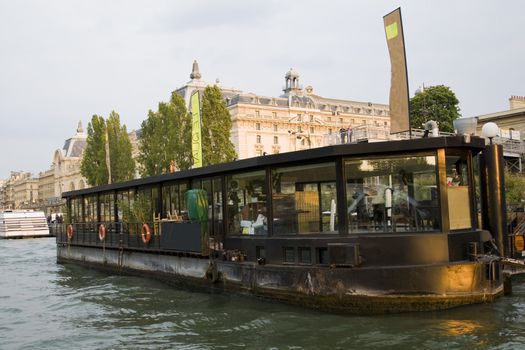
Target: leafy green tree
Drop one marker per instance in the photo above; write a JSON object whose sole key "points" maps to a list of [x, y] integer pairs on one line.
{"points": [[94, 161], [93, 166], [514, 190], [166, 137], [438, 103], [121, 160], [216, 127]]}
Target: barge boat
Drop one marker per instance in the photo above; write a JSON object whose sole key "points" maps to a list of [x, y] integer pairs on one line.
{"points": [[356, 228]]}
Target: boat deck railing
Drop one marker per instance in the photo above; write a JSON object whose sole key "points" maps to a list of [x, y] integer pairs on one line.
{"points": [[373, 133], [118, 235]]}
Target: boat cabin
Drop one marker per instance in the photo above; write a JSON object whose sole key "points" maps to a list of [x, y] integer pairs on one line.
{"points": [[395, 202]]}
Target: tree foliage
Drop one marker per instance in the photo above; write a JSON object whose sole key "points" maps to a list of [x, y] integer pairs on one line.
{"points": [[166, 137], [438, 103], [121, 160], [216, 127], [514, 189], [94, 161], [93, 166]]}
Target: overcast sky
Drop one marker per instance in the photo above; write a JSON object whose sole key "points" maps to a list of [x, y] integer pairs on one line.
{"points": [[63, 61]]}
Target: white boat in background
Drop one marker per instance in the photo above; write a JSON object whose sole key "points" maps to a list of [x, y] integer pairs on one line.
{"points": [[23, 224]]}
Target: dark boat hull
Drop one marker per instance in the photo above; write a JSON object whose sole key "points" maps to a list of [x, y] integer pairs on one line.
{"points": [[361, 290]]}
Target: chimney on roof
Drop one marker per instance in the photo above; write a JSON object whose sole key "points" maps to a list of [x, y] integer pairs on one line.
{"points": [[517, 102]]}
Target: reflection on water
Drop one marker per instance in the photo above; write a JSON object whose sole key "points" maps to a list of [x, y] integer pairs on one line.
{"points": [[460, 327], [48, 306]]}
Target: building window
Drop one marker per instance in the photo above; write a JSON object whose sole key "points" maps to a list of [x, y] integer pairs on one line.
{"points": [[341, 120], [275, 140], [275, 128], [257, 126], [257, 114], [311, 117], [329, 119], [299, 129], [363, 121], [258, 138], [302, 142], [299, 117], [274, 115], [312, 129], [329, 131]]}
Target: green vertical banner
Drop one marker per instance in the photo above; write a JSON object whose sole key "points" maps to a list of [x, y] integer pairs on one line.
{"points": [[196, 141], [399, 99]]}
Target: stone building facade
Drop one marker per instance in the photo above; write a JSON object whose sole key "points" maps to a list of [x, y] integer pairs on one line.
{"points": [[66, 163], [46, 189], [512, 119], [19, 190], [26, 192], [297, 119]]}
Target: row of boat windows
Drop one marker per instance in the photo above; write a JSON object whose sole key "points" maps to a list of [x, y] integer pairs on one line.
{"points": [[393, 194]]}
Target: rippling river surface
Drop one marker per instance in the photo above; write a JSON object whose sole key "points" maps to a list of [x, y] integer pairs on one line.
{"points": [[44, 305]]}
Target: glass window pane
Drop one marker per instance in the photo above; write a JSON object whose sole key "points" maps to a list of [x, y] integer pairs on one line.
{"points": [[459, 211], [246, 210], [396, 194], [304, 199]]}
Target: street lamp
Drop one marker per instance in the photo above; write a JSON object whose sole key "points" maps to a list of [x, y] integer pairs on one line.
{"points": [[490, 130]]}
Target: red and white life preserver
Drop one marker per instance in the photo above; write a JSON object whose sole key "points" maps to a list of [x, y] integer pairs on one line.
{"points": [[145, 233], [69, 231], [102, 232]]}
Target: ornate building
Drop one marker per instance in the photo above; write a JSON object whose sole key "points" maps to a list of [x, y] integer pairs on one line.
{"points": [[66, 163], [26, 192], [46, 190], [19, 190], [298, 119]]}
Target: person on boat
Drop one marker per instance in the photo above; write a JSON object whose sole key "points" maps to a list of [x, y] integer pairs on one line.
{"points": [[260, 224]]}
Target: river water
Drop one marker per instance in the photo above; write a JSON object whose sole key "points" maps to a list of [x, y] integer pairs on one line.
{"points": [[44, 305]]}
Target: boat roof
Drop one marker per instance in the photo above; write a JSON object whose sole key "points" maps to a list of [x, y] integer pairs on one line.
{"points": [[476, 144]]}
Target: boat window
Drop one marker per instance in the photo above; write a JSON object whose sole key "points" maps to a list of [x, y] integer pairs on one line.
{"points": [[206, 185], [459, 209], [125, 205], [76, 209], [107, 207], [246, 210], [304, 199], [394, 194], [144, 205], [90, 209], [173, 201], [218, 230]]}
